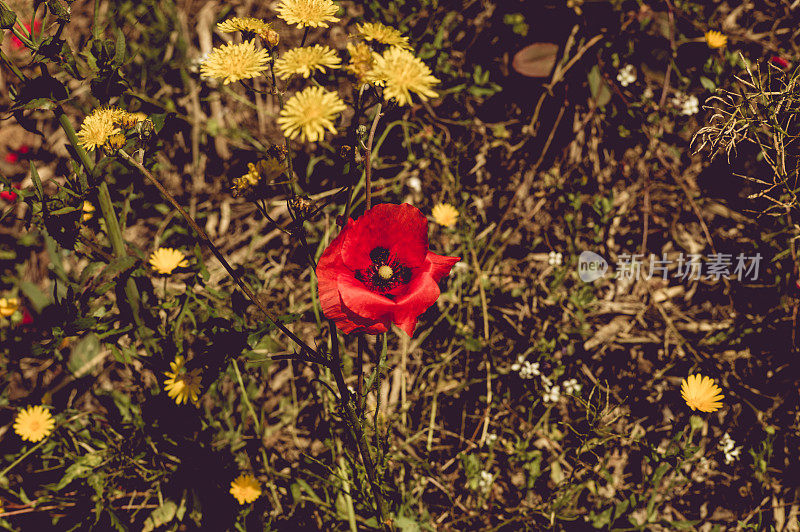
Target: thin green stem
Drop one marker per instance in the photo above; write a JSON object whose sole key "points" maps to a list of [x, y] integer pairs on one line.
{"points": [[217, 253], [11, 66], [109, 215], [21, 458], [247, 399], [368, 156]]}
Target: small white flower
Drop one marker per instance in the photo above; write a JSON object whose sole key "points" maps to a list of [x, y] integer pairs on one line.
{"points": [[647, 93], [491, 438], [687, 105], [552, 395], [729, 448], [571, 386], [529, 371], [414, 184], [626, 75], [485, 482], [554, 259]]}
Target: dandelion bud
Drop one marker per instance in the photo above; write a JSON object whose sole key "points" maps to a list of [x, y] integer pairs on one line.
{"points": [[301, 205], [114, 143], [7, 17], [272, 37], [128, 121], [59, 10], [146, 128]]}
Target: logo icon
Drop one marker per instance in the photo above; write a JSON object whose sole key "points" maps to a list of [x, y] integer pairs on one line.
{"points": [[591, 266]]}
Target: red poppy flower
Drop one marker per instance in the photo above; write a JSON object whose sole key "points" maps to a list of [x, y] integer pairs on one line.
{"points": [[37, 27], [779, 62], [9, 195], [378, 270]]}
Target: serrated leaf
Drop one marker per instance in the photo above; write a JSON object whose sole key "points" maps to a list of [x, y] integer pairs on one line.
{"points": [[119, 265], [82, 468], [38, 299]]}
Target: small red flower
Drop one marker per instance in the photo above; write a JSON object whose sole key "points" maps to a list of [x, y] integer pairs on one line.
{"points": [[779, 62], [37, 28], [378, 270], [27, 318], [9, 195]]}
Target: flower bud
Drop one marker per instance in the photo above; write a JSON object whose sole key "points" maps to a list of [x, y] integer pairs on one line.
{"points": [[7, 17]]}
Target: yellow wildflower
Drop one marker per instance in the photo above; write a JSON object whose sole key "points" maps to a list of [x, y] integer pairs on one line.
{"points": [[181, 384], [361, 60], [716, 39], [306, 60], [164, 260], [245, 488], [700, 393], [99, 126], [375, 31], [311, 13], [402, 73], [246, 24], [232, 62], [310, 113], [88, 211], [8, 306], [445, 215], [34, 423]]}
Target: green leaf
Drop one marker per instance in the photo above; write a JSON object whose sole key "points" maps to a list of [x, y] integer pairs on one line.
{"points": [[38, 299], [85, 355], [119, 265], [37, 183], [707, 83], [160, 516], [601, 93], [82, 468]]}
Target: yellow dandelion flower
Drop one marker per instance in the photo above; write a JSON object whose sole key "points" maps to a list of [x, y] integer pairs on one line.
{"points": [[403, 73], [246, 24], [310, 113], [99, 126], [445, 215], [164, 260], [311, 13], [245, 488], [129, 120], [361, 60], [375, 31], [716, 39], [8, 306], [700, 393], [87, 210], [232, 62], [269, 169], [181, 384], [306, 60], [34, 423]]}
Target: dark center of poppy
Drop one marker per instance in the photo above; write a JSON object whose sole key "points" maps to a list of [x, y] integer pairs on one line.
{"points": [[385, 273]]}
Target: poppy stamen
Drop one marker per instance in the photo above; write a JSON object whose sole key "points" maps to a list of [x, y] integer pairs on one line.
{"points": [[385, 272]]}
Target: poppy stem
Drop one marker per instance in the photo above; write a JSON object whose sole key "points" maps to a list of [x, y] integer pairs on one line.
{"points": [[357, 428], [368, 156], [360, 372], [217, 253]]}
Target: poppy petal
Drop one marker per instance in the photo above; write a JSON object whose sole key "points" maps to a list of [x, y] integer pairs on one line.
{"points": [[400, 229]]}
